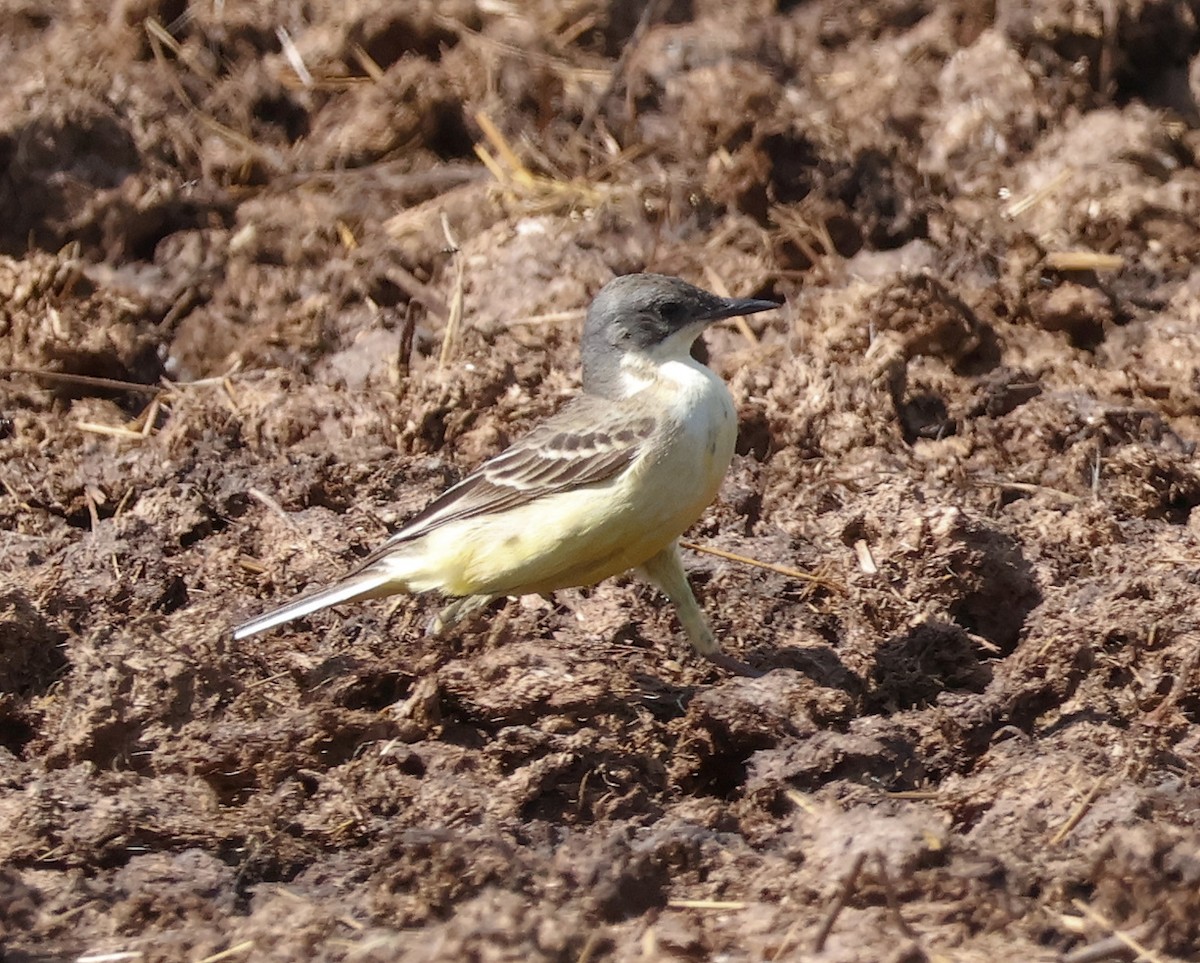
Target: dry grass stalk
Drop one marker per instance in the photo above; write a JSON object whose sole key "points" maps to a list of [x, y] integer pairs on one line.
{"points": [[1079, 812], [148, 417], [866, 560], [346, 235], [769, 566], [159, 38], [589, 947], [552, 317], [1143, 952], [1019, 206], [84, 381], [1028, 488], [811, 236], [237, 950], [535, 192], [112, 431], [788, 937], [292, 54], [557, 65], [253, 566], [1083, 261], [367, 62], [707, 904], [801, 802], [271, 505]]}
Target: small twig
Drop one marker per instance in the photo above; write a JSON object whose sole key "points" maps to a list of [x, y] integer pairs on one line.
{"points": [[1077, 815], [769, 566], [1027, 488], [454, 321], [266, 681], [86, 381], [408, 330], [839, 902], [124, 502], [786, 942], [1183, 676], [892, 900], [94, 498], [109, 384], [149, 416], [417, 290]]}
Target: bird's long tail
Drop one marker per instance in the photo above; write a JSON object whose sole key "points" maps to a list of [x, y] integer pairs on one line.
{"points": [[368, 583]]}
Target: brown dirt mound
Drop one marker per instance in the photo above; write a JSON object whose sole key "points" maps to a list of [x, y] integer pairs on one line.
{"points": [[226, 279]]}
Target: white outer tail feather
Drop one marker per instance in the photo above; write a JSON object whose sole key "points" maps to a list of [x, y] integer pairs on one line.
{"points": [[361, 585]]}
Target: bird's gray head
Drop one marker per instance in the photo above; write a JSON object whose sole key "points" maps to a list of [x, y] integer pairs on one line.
{"points": [[650, 317]]}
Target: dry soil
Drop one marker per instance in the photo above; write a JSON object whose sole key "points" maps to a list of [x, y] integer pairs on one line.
{"points": [[975, 420]]}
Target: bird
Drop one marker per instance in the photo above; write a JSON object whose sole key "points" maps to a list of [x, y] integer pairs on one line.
{"points": [[605, 486]]}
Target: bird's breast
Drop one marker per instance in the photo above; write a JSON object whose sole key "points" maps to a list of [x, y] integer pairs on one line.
{"points": [[698, 434]]}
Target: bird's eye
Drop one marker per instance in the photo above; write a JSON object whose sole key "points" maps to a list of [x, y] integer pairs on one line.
{"points": [[673, 312]]}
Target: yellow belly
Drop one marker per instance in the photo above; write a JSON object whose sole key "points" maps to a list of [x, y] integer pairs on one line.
{"points": [[582, 536]]}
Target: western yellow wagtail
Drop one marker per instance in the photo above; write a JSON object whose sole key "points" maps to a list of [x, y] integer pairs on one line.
{"points": [[606, 485]]}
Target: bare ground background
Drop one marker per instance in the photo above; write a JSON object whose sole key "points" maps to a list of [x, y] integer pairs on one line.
{"points": [[976, 418]]}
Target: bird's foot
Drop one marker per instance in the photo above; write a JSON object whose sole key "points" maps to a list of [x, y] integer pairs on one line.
{"points": [[736, 666], [456, 612]]}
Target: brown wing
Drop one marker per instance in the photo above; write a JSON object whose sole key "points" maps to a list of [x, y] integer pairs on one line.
{"points": [[589, 441]]}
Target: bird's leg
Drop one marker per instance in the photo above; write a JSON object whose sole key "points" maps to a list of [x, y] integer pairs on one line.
{"points": [[455, 612], [665, 572]]}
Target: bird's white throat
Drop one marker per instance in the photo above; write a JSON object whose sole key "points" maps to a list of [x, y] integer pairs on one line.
{"points": [[681, 374]]}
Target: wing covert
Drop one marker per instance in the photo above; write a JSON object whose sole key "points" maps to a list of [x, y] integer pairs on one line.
{"points": [[588, 442]]}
